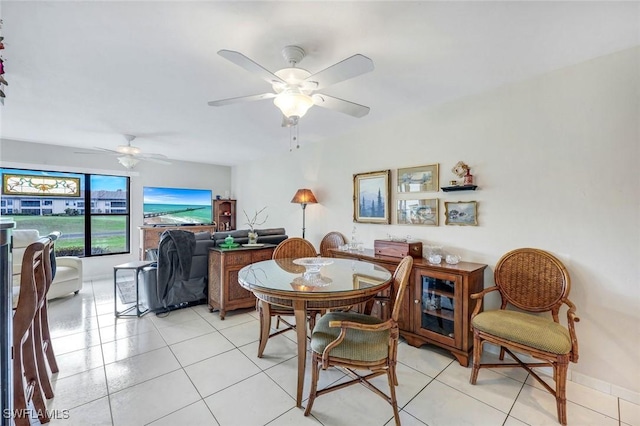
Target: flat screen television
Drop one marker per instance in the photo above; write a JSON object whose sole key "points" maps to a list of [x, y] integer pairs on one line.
{"points": [[177, 206]]}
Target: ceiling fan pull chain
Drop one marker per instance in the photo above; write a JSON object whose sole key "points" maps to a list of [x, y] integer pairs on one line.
{"points": [[293, 136]]}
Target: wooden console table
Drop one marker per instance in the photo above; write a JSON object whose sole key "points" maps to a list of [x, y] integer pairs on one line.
{"points": [[438, 308], [225, 293]]}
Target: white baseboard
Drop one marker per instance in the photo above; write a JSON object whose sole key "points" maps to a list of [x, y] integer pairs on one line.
{"points": [[582, 379]]}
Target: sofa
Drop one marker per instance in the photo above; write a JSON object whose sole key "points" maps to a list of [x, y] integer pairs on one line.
{"points": [[67, 270], [240, 236], [165, 286], [169, 283]]}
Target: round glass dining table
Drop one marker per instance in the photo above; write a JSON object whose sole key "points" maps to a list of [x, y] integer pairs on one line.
{"points": [[315, 284]]}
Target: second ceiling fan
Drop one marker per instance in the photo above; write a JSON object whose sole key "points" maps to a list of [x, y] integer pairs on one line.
{"points": [[296, 88]]}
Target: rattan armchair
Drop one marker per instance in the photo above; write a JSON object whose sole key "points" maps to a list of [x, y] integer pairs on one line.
{"points": [[330, 241], [355, 341], [291, 248], [534, 281]]}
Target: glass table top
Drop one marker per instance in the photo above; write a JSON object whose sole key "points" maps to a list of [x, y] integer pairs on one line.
{"points": [[339, 275]]}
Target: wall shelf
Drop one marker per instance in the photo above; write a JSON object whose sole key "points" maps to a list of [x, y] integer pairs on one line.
{"points": [[459, 188]]}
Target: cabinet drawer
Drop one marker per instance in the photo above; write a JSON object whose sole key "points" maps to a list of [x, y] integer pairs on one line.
{"points": [[260, 255], [238, 258]]}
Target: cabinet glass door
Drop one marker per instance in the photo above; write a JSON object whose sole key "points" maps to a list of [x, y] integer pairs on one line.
{"points": [[438, 306]]}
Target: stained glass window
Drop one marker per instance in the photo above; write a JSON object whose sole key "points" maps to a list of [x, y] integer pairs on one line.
{"points": [[41, 185]]}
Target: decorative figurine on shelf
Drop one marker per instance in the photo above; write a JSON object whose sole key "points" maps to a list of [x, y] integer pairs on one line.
{"points": [[460, 169], [468, 178], [463, 171]]}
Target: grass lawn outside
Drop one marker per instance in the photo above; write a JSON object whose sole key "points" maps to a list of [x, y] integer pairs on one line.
{"points": [[109, 232]]}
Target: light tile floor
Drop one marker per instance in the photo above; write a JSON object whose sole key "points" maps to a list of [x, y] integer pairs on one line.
{"points": [[191, 368]]}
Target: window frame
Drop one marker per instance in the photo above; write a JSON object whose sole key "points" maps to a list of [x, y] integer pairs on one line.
{"points": [[86, 201]]}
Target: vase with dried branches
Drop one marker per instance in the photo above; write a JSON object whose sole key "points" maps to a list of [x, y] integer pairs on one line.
{"points": [[253, 222]]}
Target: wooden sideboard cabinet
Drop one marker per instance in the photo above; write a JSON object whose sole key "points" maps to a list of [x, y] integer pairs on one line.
{"points": [[225, 293], [437, 308], [150, 235]]}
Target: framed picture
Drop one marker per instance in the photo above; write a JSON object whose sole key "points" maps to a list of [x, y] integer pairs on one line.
{"points": [[371, 197], [418, 212], [461, 213], [364, 281], [418, 179]]}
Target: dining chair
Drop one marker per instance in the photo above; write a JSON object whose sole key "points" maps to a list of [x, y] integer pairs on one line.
{"points": [[354, 341], [26, 380], [332, 240], [45, 357], [533, 281], [291, 248]]}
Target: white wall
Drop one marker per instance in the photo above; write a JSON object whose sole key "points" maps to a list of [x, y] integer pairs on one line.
{"points": [[179, 174], [555, 158]]}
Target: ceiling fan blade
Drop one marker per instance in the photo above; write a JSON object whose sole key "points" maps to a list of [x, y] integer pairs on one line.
{"points": [[110, 151], [153, 160], [351, 67], [151, 156], [259, 97], [337, 104], [99, 151], [251, 66]]}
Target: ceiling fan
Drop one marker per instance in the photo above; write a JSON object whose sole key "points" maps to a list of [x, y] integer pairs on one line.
{"points": [[295, 88], [129, 155]]}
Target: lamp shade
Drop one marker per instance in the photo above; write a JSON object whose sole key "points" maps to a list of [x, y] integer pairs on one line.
{"points": [[293, 103], [304, 196]]}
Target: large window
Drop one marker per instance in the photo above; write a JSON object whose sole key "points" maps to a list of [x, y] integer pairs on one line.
{"points": [[102, 229]]}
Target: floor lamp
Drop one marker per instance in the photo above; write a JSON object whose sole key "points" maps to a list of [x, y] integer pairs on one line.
{"points": [[303, 197]]}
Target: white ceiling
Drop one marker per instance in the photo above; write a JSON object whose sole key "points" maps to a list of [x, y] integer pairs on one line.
{"points": [[84, 73]]}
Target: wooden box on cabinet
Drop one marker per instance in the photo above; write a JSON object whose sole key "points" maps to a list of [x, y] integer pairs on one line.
{"points": [[150, 235], [225, 293], [224, 213], [437, 308]]}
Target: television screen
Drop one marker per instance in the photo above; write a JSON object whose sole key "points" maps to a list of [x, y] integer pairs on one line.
{"points": [[176, 206]]}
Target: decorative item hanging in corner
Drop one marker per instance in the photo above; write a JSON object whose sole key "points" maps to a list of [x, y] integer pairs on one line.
{"points": [[3, 82]]}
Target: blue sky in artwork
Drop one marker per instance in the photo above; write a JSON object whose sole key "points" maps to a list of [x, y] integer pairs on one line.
{"points": [[156, 195]]}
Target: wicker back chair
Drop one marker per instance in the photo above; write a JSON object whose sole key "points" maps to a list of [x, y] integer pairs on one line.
{"points": [[355, 341], [533, 281], [294, 248], [291, 248], [331, 240]]}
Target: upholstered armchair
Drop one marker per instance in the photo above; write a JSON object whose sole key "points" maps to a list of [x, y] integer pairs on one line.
{"points": [[67, 269]]}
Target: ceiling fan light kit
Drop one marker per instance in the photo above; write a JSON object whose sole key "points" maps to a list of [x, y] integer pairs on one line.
{"points": [[293, 103], [128, 161]]}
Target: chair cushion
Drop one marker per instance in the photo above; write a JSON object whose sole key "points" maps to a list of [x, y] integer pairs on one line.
{"points": [[65, 273], [358, 345], [531, 330], [24, 237]]}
